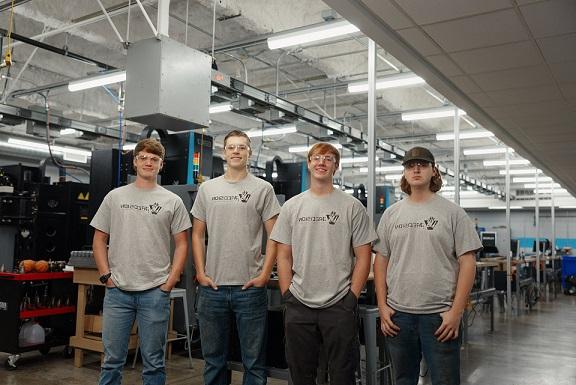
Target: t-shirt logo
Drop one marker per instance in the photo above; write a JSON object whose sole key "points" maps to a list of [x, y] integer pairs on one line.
{"points": [[430, 223], [332, 217], [155, 208], [244, 196]]}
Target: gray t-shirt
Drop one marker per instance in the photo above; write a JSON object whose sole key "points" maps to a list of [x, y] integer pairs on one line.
{"points": [[234, 213], [140, 223], [423, 242], [323, 232]]}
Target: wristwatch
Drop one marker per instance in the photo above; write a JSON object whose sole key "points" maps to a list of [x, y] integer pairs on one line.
{"points": [[105, 277]]}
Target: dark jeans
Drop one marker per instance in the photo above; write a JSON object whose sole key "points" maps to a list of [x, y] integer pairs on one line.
{"points": [[250, 309], [416, 338], [334, 329], [151, 310]]}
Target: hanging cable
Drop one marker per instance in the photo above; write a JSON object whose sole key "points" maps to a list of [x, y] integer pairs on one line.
{"points": [[213, 29], [120, 134], [186, 30], [8, 55], [52, 158], [127, 40]]}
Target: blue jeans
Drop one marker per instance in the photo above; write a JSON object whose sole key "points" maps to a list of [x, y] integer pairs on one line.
{"points": [[416, 338], [151, 310], [250, 309]]}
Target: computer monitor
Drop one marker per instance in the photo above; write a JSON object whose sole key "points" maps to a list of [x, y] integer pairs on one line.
{"points": [[514, 247], [488, 239], [544, 245]]}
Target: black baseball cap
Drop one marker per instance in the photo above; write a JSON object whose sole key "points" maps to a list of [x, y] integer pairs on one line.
{"points": [[418, 153]]}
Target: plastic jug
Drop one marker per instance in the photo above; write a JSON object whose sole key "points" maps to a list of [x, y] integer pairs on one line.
{"points": [[31, 333]]}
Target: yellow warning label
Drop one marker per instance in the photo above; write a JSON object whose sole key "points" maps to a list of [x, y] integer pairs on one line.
{"points": [[83, 197]]}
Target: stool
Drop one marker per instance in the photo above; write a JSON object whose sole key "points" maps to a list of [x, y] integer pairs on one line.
{"points": [[176, 293], [369, 316]]}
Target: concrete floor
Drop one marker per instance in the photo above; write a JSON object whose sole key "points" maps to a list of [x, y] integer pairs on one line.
{"points": [[536, 348]]}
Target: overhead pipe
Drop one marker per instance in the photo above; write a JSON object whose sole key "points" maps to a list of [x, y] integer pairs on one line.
{"points": [[51, 48]]}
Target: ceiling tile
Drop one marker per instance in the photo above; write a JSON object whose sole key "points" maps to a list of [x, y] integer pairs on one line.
{"points": [[559, 48], [550, 18], [499, 112], [525, 95], [426, 12], [421, 43], [569, 90], [520, 54], [482, 99], [567, 131], [564, 72], [545, 121], [572, 104], [445, 65], [521, 2], [389, 13], [514, 78], [465, 84], [478, 31], [554, 108]]}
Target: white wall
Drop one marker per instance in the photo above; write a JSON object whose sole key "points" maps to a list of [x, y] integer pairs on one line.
{"points": [[523, 222]]}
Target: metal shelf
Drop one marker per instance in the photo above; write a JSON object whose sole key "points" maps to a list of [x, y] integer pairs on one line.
{"points": [[24, 314]]}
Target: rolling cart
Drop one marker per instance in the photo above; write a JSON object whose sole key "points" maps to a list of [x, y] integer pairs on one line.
{"points": [[47, 299]]}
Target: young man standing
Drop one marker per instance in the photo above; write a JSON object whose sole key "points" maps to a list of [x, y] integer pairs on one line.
{"points": [[139, 220], [231, 273], [324, 253], [424, 271]]}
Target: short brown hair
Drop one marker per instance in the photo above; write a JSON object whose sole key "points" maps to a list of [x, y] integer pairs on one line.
{"points": [[153, 146], [323, 147], [435, 182], [237, 133]]}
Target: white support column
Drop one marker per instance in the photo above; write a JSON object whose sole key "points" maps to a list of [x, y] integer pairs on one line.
{"points": [[537, 223], [508, 237], [371, 196], [553, 245], [457, 155], [163, 17]]}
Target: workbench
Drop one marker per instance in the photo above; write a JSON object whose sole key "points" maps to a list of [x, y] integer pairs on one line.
{"points": [[87, 338]]}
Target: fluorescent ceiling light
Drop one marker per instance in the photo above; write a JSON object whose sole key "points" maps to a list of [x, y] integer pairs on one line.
{"points": [[392, 81], [465, 135], [356, 159], [504, 207], [272, 131], [526, 171], [97, 81], [512, 162], [393, 177], [560, 191], [349, 191], [222, 107], [486, 150], [69, 153], [70, 131], [463, 193], [442, 112], [129, 146], [312, 34], [384, 169], [567, 207], [532, 179], [307, 148], [542, 185]]}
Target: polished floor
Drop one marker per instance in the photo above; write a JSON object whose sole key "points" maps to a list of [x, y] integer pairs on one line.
{"points": [[536, 348]]}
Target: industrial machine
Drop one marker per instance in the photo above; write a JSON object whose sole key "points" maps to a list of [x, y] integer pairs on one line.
{"points": [[288, 179], [39, 220]]}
